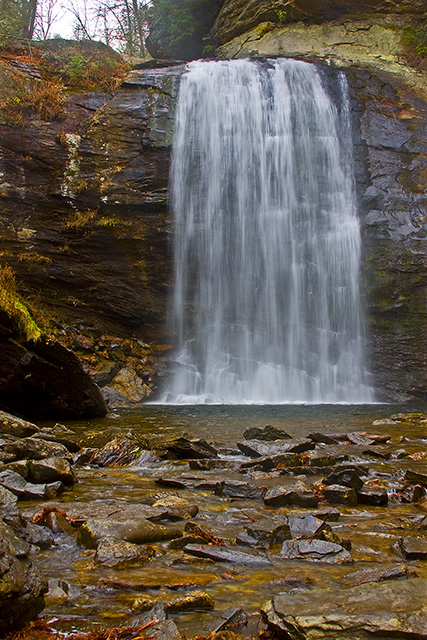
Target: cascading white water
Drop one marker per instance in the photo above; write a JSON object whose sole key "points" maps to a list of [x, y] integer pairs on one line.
{"points": [[266, 303]]}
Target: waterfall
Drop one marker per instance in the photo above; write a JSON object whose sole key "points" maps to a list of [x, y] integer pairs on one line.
{"points": [[266, 302]]}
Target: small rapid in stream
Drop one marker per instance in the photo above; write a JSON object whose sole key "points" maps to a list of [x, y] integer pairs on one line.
{"points": [[266, 304]]}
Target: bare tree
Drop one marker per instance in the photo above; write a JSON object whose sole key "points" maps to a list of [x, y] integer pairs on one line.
{"points": [[48, 12]]}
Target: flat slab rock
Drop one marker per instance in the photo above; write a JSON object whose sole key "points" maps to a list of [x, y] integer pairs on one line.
{"points": [[221, 554], [315, 551], [383, 610]]}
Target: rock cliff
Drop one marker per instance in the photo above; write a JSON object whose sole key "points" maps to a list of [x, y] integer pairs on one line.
{"points": [[84, 218]]}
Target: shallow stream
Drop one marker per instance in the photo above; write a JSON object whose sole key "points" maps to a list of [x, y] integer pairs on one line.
{"points": [[98, 594]]}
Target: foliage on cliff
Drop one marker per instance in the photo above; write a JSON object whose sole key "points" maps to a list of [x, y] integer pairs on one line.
{"points": [[10, 304]]}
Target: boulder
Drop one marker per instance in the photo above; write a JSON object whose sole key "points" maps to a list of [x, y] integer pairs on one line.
{"points": [[412, 548], [51, 470], [21, 586], [137, 531], [221, 554], [38, 449], [240, 490], [266, 433], [337, 494], [391, 609], [13, 426], [345, 478], [44, 380], [264, 533], [296, 495], [174, 508], [119, 452], [315, 551], [372, 496], [114, 553], [192, 449]]}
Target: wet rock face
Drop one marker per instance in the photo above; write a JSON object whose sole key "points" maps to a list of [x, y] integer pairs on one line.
{"points": [[238, 16], [390, 147], [84, 216]]}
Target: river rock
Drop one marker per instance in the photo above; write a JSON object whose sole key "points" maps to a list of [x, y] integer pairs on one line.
{"points": [[21, 586], [315, 551], [72, 446], [8, 504], [17, 427], [242, 490], [264, 533], [337, 494], [296, 495], [137, 531], [345, 478], [322, 438], [37, 449], [279, 461], [119, 452], [257, 449], [391, 609], [415, 477], [412, 548], [190, 449], [114, 553], [185, 602], [26, 490], [221, 554], [51, 470], [372, 496], [266, 433], [306, 526], [174, 508], [377, 574]]}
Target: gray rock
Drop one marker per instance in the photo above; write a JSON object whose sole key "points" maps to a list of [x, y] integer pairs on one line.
{"points": [[191, 449], [412, 548], [24, 490], [297, 495], [264, 533], [234, 489], [391, 609], [17, 427], [322, 438], [413, 477], [114, 553], [221, 554], [38, 449], [119, 452], [51, 470], [372, 496], [345, 477], [306, 526], [266, 433], [257, 449], [337, 494], [174, 508], [315, 551], [21, 586], [378, 574], [138, 531]]}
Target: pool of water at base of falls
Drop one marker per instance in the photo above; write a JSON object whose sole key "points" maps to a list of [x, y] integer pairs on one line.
{"points": [[98, 595]]}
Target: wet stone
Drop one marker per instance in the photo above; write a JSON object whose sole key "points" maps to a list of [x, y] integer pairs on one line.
{"points": [[378, 574], [174, 508], [414, 477], [119, 452], [138, 531], [72, 446], [298, 495], [11, 425], [51, 470], [345, 478], [266, 433], [234, 489], [115, 553], [186, 602], [23, 489], [180, 543], [38, 535], [373, 497], [264, 533], [305, 526], [271, 462], [408, 494], [315, 551], [211, 465], [233, 617], [192, 449], [38, 449], [221, 554], [337, 494], [390, 609], [412, 548], [321, 438]]}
